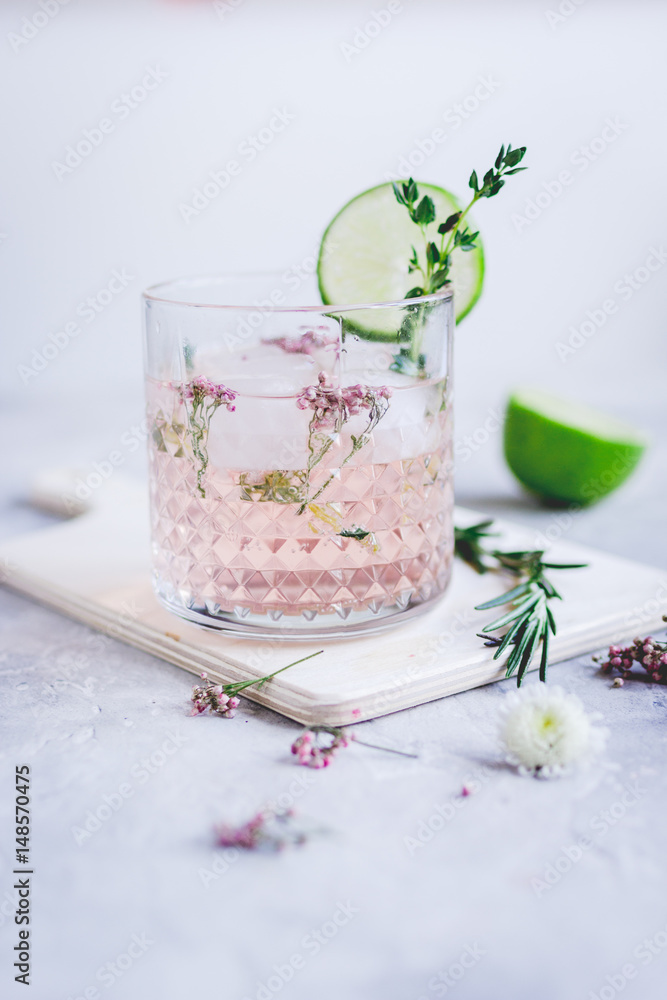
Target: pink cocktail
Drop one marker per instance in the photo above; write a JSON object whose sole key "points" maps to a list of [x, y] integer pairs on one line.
{"points": [[300, 474]]}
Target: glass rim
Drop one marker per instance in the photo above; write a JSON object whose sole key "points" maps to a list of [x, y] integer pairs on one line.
{"points": [[150, 294]]}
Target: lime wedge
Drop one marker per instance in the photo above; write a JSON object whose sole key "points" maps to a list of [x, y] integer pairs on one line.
{"points": [[365, 252], [566, 452]]}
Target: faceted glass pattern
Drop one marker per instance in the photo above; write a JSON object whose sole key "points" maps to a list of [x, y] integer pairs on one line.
{"points": [[300, 456], [246, 553]]}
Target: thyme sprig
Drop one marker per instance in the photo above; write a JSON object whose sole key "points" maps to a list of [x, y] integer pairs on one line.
{"points": [[530, 620], [435, 261], [434, 265]]}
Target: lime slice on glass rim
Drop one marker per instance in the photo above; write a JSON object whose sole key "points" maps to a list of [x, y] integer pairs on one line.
{"points": [[566, 452], [365, 252]]}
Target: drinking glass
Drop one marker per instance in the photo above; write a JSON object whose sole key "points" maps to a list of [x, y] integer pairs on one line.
{"points": [[300, 456]]}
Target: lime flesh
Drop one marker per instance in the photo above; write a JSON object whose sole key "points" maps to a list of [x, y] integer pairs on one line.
{"points": [[365, 252], [566, 452]]}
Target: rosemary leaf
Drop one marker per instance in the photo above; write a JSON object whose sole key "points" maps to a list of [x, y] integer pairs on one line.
{"points": [[529, 619]]}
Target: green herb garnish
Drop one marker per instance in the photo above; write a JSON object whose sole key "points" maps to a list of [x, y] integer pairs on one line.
{"points": [[279, 486], [435, 262], [530, 621], [358, 533]]}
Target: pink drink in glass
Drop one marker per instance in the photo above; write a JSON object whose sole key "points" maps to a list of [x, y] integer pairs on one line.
{"points": [[378, 537], [300, 468]]}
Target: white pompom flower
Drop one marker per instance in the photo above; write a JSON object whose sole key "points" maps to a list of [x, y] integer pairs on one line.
{"points": [[546, 731]]}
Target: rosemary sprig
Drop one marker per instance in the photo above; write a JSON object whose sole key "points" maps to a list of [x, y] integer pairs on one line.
{"points": [[435, 262], [467, 544], [530, 620]]}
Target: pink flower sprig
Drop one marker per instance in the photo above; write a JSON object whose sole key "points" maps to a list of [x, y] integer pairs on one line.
{"points": [[648, 653], [311, 753], [211, 697], [222, 699], [267, 830], [332, 407], [202, 398], [201, 389], [306, 343]]}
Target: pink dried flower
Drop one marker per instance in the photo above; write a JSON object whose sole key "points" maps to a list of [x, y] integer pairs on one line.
{"points": [[202, 398], [267, 830], [200, 389], [310, 754], [306, 343], [211, 697], [332, 407], [325, 402], [221, 699], [648, 653]]}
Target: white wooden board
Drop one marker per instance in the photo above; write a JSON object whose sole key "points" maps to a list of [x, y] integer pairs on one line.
{"points": [[95, 568]]}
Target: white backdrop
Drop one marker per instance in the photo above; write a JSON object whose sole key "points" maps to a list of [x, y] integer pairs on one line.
{"points": [[182, 87]]}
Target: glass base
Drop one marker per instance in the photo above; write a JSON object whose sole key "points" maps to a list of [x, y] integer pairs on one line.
{"points": [[337, 624]]}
